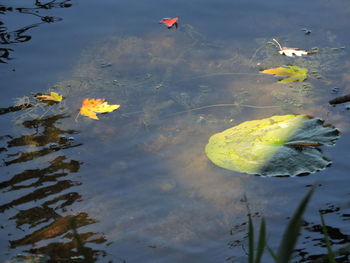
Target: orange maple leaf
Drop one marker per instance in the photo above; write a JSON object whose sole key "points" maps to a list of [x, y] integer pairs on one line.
{"points": [[91, 107]]}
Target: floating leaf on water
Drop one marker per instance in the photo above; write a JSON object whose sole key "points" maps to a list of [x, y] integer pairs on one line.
{"points": [[291, 52], [170, 22], [91, 107], [53, 96], [275, 146], [292, 73]]}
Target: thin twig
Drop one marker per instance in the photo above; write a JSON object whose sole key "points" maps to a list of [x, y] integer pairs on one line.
{"points": [[76, 118], [224, 105]]}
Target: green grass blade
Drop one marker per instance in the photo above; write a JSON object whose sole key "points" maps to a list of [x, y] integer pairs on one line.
{"points": [[273, 255], [331, 256], [261, 242], [250, 239], [291, 233]]}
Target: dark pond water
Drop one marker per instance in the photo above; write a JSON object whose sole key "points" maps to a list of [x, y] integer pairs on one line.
{"points": [[136, 186]]}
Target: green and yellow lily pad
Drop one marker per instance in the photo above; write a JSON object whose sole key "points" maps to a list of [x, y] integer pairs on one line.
{"points": [[276, 146]]}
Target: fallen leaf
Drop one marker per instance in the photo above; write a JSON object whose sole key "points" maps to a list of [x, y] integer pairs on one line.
{"points": [[291, 52], [292, 73], [89, 108], [275, 146], [53, 96], [170, 22]]}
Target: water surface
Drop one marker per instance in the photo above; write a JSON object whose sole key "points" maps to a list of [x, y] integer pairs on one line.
{"points": [[136, 185]]}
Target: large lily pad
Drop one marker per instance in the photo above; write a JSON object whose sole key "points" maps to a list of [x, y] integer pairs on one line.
{"points": [[275, 146]]}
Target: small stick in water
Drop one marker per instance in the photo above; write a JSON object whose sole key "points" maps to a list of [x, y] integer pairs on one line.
{"points": [[340, 100]]}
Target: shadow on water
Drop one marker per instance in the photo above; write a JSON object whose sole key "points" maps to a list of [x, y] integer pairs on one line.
{"points": [[39, 200], [22, 34]]}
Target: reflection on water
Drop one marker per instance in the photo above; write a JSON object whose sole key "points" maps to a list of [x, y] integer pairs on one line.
{"points": [[339, 240], [23, 34], [39, 200], [50, 137], [15, 108], [5, 54]]}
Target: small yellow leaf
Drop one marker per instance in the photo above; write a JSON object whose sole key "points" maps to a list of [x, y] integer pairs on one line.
{"points": [[53, 96], [89, 108], [292, 73]]}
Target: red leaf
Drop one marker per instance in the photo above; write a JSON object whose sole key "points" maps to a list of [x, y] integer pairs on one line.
{"points": [[170, 22]]}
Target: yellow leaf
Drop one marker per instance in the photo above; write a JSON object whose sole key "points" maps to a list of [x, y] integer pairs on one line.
{"points": [[292, 73], [53, 96], [89, 108]]}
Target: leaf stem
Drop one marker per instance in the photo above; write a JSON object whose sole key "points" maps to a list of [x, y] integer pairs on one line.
{"points": [[279, 45]]}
